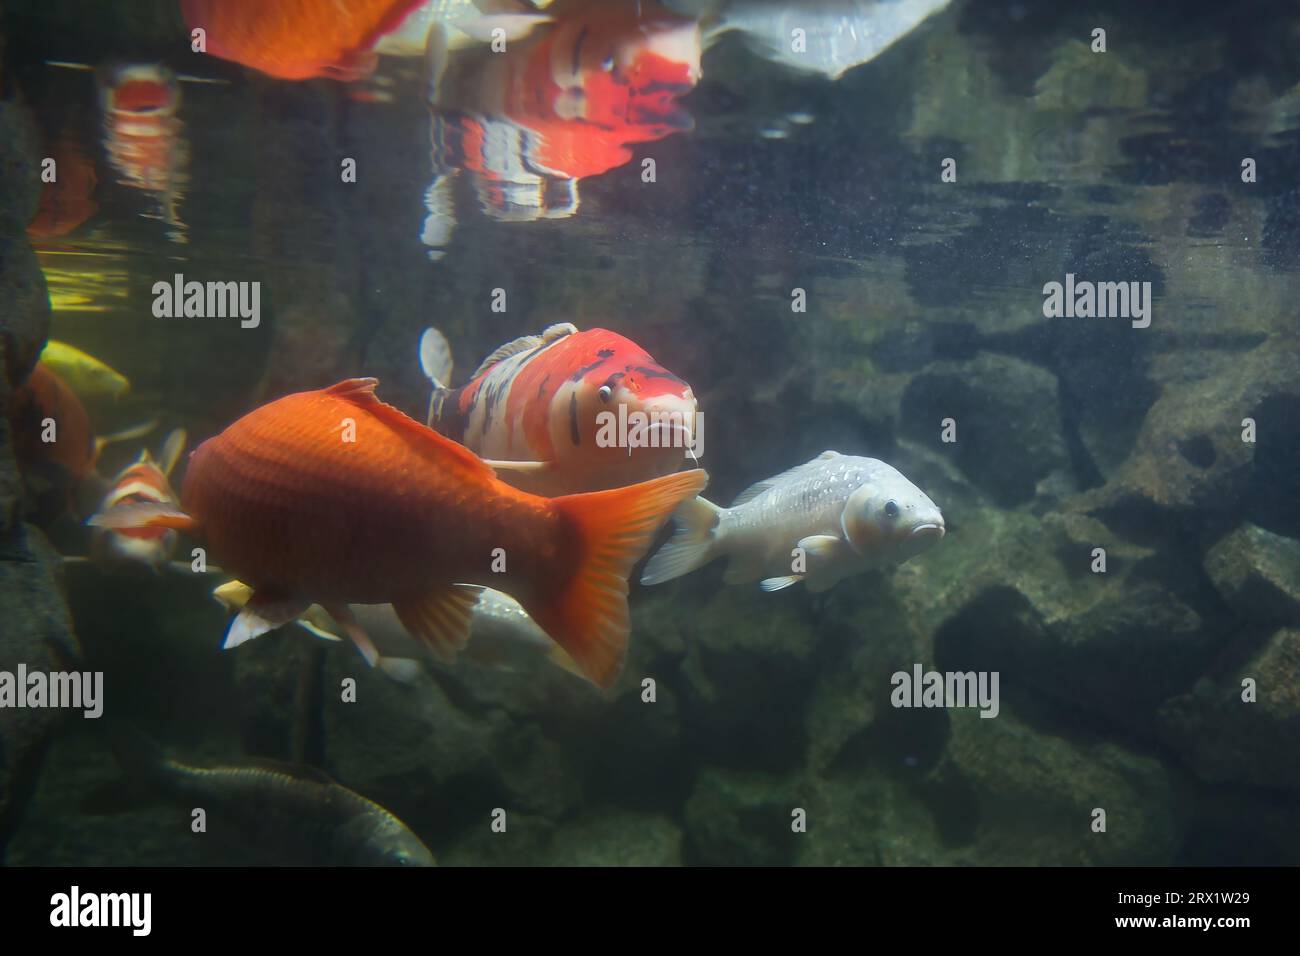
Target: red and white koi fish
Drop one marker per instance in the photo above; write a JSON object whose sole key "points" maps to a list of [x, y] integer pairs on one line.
{"points": [[145, 481], [566, 411], [567, 102]]}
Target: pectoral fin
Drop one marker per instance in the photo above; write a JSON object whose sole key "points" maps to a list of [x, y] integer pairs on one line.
{"points": [[525, 467], [822, 547], [440, 618], [259, 615], [780, 584]]}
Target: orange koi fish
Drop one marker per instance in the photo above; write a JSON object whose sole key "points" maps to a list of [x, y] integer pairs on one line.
{"points": [[332, 497], [145, 481], [566, 411]]}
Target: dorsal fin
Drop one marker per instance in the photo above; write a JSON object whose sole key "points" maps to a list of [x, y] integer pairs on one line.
{"points": [[523, 344], [361, 392], [756, 489]]}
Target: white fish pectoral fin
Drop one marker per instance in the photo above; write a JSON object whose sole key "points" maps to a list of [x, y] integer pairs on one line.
{"points": [[529, 467], [259, 616], [823, 548], [780, 584]]}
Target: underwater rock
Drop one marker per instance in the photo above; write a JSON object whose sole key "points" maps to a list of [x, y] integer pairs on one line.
{"points": [[25, 319], [1011, 592], [525, 842], [1228, 739], [749, 666], [1190, 454], [71, 809], [19, 169], [1007, 418], [1258, 573], [869, 820], [614, 837], [37, 628], [742, 818], [1029, 797], [37, 632], [853, 688]]}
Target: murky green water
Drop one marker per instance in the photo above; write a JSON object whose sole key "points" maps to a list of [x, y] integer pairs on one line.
{"points": [[856, 264]]}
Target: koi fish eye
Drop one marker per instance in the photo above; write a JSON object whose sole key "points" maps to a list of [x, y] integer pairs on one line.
{"points": [[891, 509], [605, 393]]}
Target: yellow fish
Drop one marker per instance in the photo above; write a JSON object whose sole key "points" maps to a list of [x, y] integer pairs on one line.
{"points": [[86, 375]]}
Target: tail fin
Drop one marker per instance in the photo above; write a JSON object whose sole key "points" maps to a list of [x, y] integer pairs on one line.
{"points": [[587, 615], [691, 546]]}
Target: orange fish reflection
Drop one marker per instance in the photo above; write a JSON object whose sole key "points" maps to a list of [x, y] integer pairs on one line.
{"points": [[298, 39], [568, 102], [68, 201]]}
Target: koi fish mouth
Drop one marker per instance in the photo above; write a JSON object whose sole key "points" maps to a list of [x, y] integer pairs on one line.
{"points": [[924, 532]]}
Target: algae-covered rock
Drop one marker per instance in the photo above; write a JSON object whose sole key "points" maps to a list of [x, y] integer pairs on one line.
{"points": [[749, 664], [1243, 727], [525, 841], [615, 837], [1258, 573], [869, 820], [1011, 592], [37, 629], [37, 633], [1192, 452], [1007, 419], [1033, 796], [743, 818]]}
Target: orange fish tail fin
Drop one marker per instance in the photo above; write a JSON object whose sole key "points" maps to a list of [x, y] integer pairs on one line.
{"points": [[587, 615]]}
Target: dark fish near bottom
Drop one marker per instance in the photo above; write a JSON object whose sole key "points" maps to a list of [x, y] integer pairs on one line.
{"points": [[297, 813]]}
